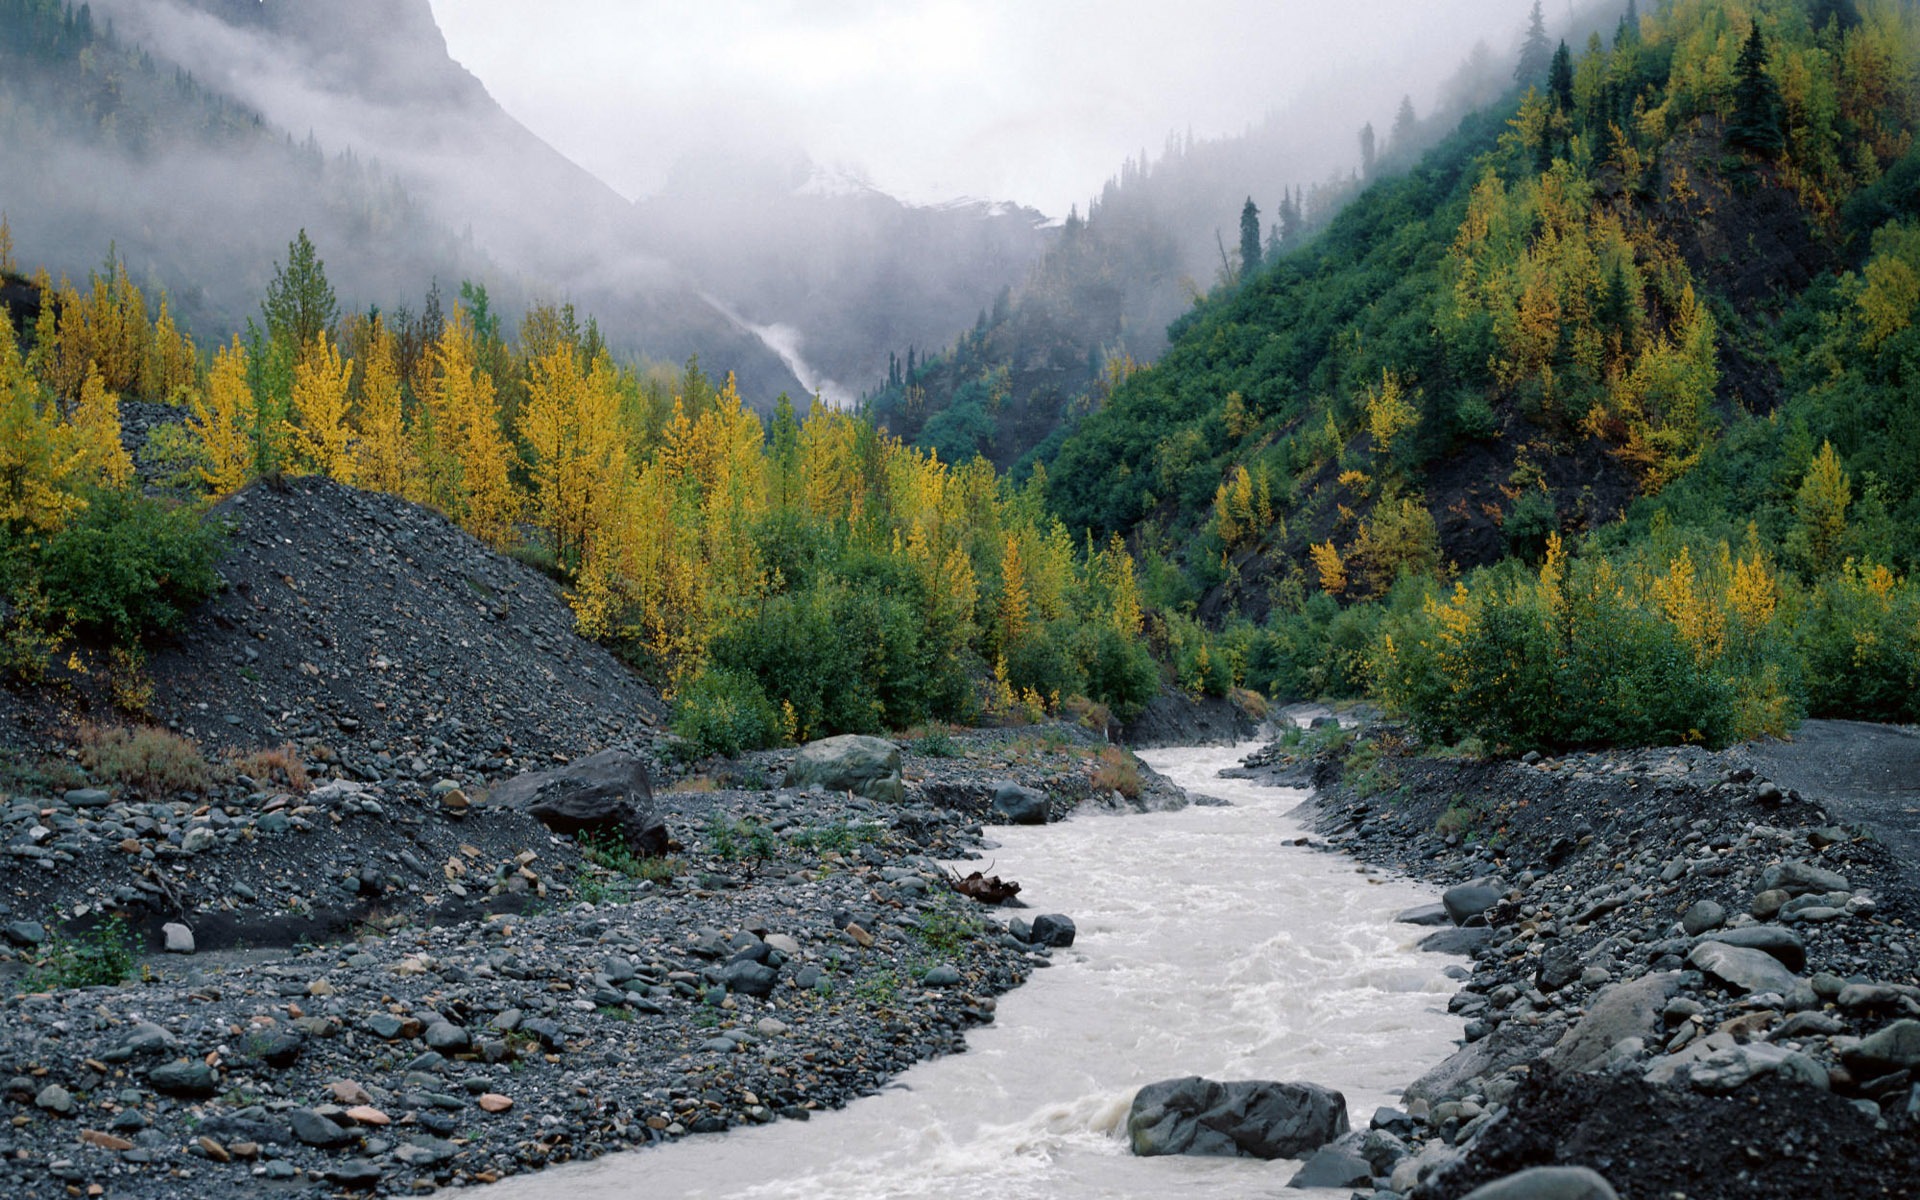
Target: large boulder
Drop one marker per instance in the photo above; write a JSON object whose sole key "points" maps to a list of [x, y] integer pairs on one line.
{"points": [[1742, 968], [1246, 1119], [1511, 1043], [605, 795], [1625, 1010], [852, 762], [1016, 805]]}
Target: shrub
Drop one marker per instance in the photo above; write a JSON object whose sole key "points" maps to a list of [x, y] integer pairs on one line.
{"points": [[1117, 771], [99, 957], [129, 567], [280, 765], [154, 760], [722, 711]]}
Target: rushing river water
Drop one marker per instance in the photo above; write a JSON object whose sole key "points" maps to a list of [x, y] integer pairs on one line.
{"points": [[1206, 947]]}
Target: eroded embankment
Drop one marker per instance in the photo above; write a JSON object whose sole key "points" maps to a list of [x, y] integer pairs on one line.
{"points": [[1685, 976]]}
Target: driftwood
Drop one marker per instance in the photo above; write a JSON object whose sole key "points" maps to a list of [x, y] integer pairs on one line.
{"points": [[987, 889]]}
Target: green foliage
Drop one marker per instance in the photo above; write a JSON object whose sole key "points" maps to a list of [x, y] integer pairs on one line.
{"points": [[128, 567], [99, 957], [723, 711]]}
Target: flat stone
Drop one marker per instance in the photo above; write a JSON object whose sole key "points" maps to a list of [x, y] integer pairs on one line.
{"points": [[448, 1038], [184, 1078], [24, 933], [1464, 940], [346, 1091], [1016, 805], [1625, 1010], [366, 1114], [1784, 944], [750, 978], [1469, 900], [106, 1141], [1744, 969], [1333, 1167], [1547, 1183], [1892, 1048], [359, 1175], [179, 938], [1799, 878], [494, 1102], [315, 1130], [1733, 1067], [1425, 914]]}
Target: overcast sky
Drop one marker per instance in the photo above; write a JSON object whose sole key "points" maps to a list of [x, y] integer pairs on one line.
{"points": [[1036, 101]]}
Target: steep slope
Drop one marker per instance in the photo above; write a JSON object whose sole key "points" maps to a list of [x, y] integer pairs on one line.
{"points": [[1559, 310], [365, 620]]}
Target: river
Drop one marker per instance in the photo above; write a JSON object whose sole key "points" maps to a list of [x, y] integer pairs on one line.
{"points": [[1206, 947]]}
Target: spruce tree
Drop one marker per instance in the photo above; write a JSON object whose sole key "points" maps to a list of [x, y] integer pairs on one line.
{"points": [[300, 303], [1560, 79], [1536, 52], [1756, 102], [1249, 239], [1366, 151]]}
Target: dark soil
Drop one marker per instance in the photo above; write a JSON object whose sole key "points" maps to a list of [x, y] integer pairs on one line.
{"points": [[1771, 1140], [1174, 718]]}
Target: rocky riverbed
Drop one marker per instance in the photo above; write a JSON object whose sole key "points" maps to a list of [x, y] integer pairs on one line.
{"points": [[1686, 977], [498, 1000]]}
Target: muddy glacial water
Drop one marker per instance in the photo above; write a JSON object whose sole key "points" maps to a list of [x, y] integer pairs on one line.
{"points": [[1207, 946]]}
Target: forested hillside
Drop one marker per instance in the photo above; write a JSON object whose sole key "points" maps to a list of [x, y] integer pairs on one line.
{"points": [[1673, 280]]}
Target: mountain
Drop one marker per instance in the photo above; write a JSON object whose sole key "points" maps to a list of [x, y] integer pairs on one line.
{"points": [[1161, 233]]}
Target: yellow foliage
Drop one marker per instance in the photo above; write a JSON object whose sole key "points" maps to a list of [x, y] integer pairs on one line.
{"points": [[1332, 569], [383, 454], [320, 382], [466, 452], [35, 468], [1689, 607], [1389, 414], [223, 422]]}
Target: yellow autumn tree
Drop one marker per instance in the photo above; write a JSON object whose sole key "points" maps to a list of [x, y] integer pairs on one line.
{"points": [[321, 380], [172, 364], [222, 422], [34, 492], [1330, 566], [465, 453], [95, 435], [1389, 414], [1820, 511], [383, 455]]}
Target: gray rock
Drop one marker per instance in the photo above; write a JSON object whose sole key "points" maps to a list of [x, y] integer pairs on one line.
{"points": [[1016, 805], [1514, 1042], [1798, 878], [1784, 944], [1742, 968], [1333, 1167], [1892, 1048], [316, 1130], [1559, 967], [944, 975], [1766, 905], [1704, 915], [1425, 914], [198, 839], [1053, 929], [24, 933], [1625, 1010], [183, 1078], [1547, 1183], [146, 1038], [179, 938], [277, 1048], [1725, 1070], [448, 1038], [358, 1175], [1469, 900], [750, 978], [1464, 940], [89, 797], [1248, 1119], [602, 795], [55, 1099], [865, 766]]}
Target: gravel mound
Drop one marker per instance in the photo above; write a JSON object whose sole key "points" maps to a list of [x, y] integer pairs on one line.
{"points": [[377, 626]]}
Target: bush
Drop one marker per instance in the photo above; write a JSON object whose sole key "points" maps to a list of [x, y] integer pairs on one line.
{"points": [[281, 765], [1860, 642], [1117, 771], [100, 957], [146, 757], [722, 711], [129, 567]]}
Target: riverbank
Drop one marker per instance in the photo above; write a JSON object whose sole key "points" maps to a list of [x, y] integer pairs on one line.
{"points": [[1686, 976], [797, 949]]}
